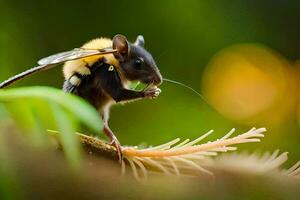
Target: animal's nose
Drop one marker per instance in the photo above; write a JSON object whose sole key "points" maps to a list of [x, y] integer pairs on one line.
{"points": [[158, 79]]}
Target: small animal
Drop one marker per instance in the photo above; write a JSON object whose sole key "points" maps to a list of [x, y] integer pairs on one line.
{"points": [[100, 72]]}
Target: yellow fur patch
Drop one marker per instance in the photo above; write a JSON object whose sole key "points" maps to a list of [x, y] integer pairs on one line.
{"points": [[75, 66], [81, 65]]}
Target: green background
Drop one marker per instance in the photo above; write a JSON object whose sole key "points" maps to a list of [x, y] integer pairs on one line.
{"points": [[182, 36]]}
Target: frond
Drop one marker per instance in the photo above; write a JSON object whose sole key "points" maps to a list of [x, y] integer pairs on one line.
{"points": [[184, 157], [249, 163], [254, 163], [294, 171]]}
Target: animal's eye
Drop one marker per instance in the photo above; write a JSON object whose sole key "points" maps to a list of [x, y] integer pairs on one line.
{"points": [[138, 63]]}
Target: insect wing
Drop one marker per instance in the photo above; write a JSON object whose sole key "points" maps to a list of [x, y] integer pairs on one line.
{"points": [[68, 55], [52, 61]]}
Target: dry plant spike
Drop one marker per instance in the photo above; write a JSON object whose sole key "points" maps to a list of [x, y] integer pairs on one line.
{"points": [[185, 158], [254, 164], [189, 159], [249, 163], [294, 170], [165, 150]]}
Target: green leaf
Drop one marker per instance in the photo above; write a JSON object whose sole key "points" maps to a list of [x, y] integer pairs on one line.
{"points": [[78, 107], [66, 125], [28, 118], [34, 109], [137, 86]]}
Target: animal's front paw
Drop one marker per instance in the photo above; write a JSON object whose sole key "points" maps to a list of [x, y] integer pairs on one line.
{"points": [[152, 93]]}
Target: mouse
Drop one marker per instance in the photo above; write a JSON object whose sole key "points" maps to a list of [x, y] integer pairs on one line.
{"points": [[103, 80]]}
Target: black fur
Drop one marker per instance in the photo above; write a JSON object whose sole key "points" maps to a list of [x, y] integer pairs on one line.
{"points": [[101, 85]]}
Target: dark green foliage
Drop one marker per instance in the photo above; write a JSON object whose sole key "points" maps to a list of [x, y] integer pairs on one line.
{"points": [[37, 109]]}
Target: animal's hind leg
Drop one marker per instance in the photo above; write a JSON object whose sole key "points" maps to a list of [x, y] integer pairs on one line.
{"points": [[114, 141], [108, 132]]}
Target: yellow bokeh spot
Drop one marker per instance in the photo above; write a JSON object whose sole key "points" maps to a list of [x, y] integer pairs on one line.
{"points": [[251, 84]]}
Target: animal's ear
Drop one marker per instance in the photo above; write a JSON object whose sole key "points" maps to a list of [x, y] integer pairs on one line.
{"points": [[140, 41], [121, 44]]}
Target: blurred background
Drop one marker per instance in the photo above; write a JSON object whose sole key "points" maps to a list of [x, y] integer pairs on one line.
{"points": [[241, 55]]}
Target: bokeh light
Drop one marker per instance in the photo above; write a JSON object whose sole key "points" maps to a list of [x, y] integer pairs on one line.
{"points": [[251, 84]]}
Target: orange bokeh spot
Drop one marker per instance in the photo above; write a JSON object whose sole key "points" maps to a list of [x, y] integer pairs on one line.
{"points": [[251, 84]]}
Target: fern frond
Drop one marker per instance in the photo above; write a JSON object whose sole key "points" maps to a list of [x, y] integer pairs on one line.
{"points": [[176, 157], [294, 170], [190, 159], [254, 163], [249, 163]]}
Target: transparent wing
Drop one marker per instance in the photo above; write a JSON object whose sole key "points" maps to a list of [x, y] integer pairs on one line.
{"points": [[52, 61], [73, 55]]}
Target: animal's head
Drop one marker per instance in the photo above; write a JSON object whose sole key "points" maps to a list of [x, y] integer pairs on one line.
{"points": [[136, 62]]}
